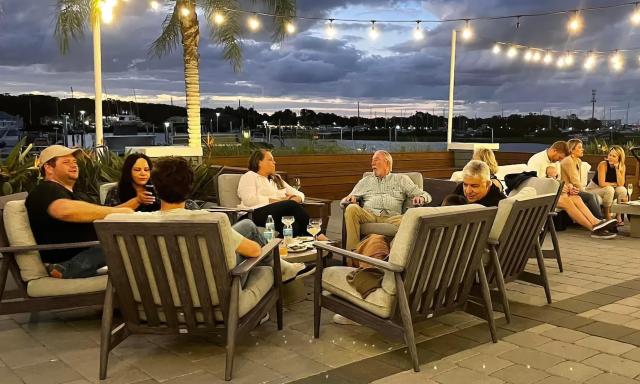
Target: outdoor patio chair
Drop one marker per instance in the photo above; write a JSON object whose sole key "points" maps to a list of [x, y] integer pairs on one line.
{"points": [[435, 258], [35, 291], [438, 189], [180, 276], [544, 186], [381, 228], [514, 235]]}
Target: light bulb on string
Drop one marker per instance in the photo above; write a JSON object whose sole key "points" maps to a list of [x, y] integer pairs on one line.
{"points": [[467, 32], [330, 30], [253, 23], [184, 11], [561, 62], [218, 18], [568, 59], [106, 13], [575, 23], [616, 62], [528, 56], [590, 62], [512, 52], [536, 57], [548, 58], [373, 32], [290, 27], [417, 33], [154, 5], [496, 49], [110, 3], [635, 16]]}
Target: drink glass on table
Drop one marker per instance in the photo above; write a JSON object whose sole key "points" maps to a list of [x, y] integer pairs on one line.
{"points": [[283, 250], [630, 190], [288, 220], [314, 228], [295, 183]]}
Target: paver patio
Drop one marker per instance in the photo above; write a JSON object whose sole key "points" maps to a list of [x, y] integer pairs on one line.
{"points": [[590, 334]]}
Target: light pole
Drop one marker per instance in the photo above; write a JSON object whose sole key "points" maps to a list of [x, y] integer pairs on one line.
{"points": [[217, 120], [166, 132]]}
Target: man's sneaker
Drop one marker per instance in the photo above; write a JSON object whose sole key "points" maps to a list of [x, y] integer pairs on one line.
{"points": [[339, 319], [55, 271], [604, 224], [308, 269], [602, 234]]}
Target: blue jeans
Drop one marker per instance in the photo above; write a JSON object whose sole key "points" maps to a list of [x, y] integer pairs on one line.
{"points": [[84, 264], [249, 230], [591, 202]]}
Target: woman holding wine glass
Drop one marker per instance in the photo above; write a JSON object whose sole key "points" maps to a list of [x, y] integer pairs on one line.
{"points": [[262, 190], [609, 179]]}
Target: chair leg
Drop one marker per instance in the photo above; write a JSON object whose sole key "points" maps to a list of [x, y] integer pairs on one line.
{"points": [[278, 285], [543, 271], [484, 286], [556, 245], [317, 294], [500, 282], [105, 331], [405, 313], [232, 325]]}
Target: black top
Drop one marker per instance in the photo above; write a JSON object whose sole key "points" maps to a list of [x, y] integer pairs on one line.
{"points": [[48, 230], [610, 177], [492, 198], [113, 199]]}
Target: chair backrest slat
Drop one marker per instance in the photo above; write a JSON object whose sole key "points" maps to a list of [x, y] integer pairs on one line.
{"points": [[162, 280], [141, 279], [445, 258], [200, 280], [175, 257]]}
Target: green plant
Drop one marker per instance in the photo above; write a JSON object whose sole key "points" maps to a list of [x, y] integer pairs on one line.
{"points": [[204, 186], [17, 171]]}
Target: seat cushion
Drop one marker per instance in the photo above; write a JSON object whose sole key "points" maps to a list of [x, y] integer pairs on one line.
{"points": [[334, 281], [18, 229], [378, 228], [504, 170], [504, 209], [49, 286], [542, 186], [228, 189], [104, 189]]}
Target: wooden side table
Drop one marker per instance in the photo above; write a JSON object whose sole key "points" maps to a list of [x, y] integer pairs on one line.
{"points": [[632, 210]]}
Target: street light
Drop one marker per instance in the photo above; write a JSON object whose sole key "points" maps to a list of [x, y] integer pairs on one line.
{"points": [[166, 132], [217, 118]]}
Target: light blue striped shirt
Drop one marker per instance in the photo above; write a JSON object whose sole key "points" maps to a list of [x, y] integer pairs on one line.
{"points": [[385, 196]]}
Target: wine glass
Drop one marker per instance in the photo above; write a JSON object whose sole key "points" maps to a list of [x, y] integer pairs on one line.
{"points": [[295, 183], [630, 190], [288, 220], [314, 228]]}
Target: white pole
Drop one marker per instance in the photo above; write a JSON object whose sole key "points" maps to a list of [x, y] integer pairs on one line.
{"points": [[452, 72], [97, 78]]}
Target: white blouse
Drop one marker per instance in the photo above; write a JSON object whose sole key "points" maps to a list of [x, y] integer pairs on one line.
{"points": [[255, 191]]}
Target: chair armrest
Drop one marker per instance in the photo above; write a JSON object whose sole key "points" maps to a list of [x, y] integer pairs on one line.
{"points": [[248, 264], [48, 247], [492, 242], [228, 209], [553, 213], [314, 203], [343, 203], [352, 255]]}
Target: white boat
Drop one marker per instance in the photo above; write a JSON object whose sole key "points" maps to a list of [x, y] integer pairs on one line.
{"points": [[9, 138]]}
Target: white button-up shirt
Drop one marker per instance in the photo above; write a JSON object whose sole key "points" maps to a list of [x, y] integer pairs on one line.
{"points": [[255, 190]]}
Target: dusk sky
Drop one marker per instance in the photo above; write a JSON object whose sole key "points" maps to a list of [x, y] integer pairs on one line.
{"points": [[308, 70]]}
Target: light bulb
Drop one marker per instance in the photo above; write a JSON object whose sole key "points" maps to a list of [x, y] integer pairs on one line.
{"points": [[512, 52], [290, 27], [496, 49], [331, 31], [590, 62], [548, 58], [467, 32], [417, 33], [635, 16], [575, 23], [184, 11], [218, 18], [253, 23], [536, 57], [528, 56], [154, 5], [110, 3], [561, 62], [568, 59], [107, 14], [616, 62], [373, 32]]}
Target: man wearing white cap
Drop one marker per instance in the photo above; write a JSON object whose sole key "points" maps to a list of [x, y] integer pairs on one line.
{"points": [[58, 214]]}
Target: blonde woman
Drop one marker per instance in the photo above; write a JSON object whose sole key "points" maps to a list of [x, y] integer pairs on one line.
{"points": [[609, 179], [486, 156]]}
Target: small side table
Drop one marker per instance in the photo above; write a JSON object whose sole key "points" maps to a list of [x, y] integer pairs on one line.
{"points": [[632, 210]]}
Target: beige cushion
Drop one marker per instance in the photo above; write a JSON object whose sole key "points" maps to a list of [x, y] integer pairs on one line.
{"points": [[504, 209], [456, 176], [542, 186], [334, 281], [385, 229], [49, 286], [104, 189], [228, 189], [504, 170], [584, 174], [16, 224], [404, 240]]}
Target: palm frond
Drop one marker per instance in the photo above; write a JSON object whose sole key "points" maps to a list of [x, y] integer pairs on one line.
{"points": [[72, 18], [229, 33], [284, 10], [170, 36]]}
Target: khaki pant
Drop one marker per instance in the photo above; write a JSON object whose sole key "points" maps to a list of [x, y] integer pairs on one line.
{"points": [[354, 215], [608, 193]]}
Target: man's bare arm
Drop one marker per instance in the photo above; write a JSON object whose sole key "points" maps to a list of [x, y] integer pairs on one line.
{"points": [[76, 211]]}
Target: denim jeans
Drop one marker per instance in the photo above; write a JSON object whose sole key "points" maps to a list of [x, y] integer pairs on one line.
{"points": [[84, 264], [591, 202]]}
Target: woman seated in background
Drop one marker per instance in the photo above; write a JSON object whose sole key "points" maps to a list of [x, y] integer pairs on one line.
{"points": [[262, 190], [131, 191], [609, 179], [486, 155]]}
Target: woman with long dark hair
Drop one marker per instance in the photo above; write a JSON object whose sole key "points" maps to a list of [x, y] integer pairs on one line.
{"points": [[262, 190], [133, 190]]}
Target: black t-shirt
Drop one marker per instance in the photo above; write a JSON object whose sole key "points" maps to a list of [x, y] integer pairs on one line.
{"points": [[492, 198], [48, 230]]}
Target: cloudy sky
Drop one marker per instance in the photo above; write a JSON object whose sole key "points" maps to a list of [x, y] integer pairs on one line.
{"points": [[309, 70]]}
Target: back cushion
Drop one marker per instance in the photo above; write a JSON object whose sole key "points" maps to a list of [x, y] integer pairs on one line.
{"points": [[228, 189], [16, 224], [504, 170], [504, 209], [542, 186]]}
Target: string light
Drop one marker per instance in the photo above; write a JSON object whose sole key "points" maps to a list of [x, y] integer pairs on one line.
{"points": [[536, 57], [373, 33], [575, 23], [290, 27], [635, 16], [568, 59], [560, 63], [154, 5], [106, 13], [512, 52], [184, 11], [253, 23], [218, 18], [496, 49], [331, 32], [590, 62], [467, 32], [548, 58], [528, 56], [417, 33], [616, 62]]}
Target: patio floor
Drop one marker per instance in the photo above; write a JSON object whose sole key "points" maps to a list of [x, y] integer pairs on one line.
{"points": [[590, 334]]}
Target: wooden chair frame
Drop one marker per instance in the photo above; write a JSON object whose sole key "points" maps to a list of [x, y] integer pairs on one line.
{"points": [[550, 228], [444, 262], [18, 300], [165, 318]]}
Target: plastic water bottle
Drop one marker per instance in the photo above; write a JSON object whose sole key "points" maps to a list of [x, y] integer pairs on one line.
{"points": [[287, 233], [269, 228]]}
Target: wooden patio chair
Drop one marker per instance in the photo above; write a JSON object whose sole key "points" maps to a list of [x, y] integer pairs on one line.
{"points": [[514, 236], [32, 289], [434, 260], [179, 276], [438, 189]]}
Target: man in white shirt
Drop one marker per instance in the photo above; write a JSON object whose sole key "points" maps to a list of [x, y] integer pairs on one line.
{"points": [[547, 162]]}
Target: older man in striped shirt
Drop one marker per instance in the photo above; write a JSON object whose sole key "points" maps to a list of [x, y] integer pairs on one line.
{"points": [[382, 194]]}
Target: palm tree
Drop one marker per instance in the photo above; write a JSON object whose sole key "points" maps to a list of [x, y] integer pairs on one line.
{"points": [[181, 25]]}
